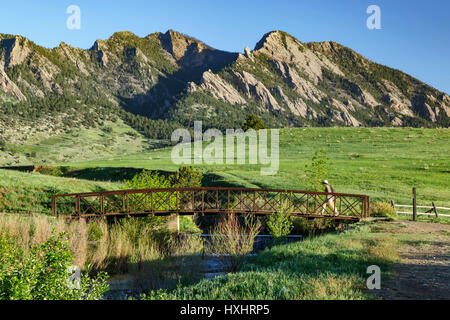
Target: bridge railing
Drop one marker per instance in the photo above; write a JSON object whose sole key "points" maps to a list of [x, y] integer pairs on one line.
{"points": [[205, 200]]}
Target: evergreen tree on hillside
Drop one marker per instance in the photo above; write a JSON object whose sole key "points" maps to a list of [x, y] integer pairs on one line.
{"points": [[253, 122]]}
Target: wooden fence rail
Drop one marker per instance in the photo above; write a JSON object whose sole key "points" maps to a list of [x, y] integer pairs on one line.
{"points": [[433, 210]]}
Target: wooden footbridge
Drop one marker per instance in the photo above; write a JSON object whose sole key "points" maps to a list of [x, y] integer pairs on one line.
{"points": [[189, 201]]}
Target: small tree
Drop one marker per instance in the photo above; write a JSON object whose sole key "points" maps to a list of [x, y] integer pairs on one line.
{"points": [[186, 177], [280, 224], [253, 122], [148, 180], [318, 170]]}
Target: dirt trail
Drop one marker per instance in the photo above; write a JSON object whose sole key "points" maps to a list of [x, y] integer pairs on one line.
{"points": [[424, 270]]}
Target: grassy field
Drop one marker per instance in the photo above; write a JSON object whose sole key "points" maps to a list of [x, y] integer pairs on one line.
{"points": [[384, 163], [330, 266], [22, 192]]}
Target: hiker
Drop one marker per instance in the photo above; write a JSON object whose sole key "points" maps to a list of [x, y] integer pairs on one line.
{"points": [[329, 199]]}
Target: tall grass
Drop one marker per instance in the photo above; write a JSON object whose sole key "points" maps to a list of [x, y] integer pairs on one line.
{"points": [[29, 230], [151, 255], [232, 240]]}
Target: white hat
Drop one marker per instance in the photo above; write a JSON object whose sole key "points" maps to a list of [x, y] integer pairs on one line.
{"points": [[325, 181]]}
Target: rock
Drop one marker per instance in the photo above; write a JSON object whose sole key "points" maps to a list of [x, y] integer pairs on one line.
{"points": [[247, 52], [17, 50], [253, 88], [218, 87], [9, 87]]}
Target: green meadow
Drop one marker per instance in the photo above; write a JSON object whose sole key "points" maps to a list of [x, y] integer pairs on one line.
{"points": [[384, 163]]}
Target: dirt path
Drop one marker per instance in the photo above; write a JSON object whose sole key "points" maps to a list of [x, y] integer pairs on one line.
{"points": [[424, 270]]}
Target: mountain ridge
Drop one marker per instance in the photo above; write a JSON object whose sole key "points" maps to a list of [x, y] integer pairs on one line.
{"points": [[172, 77]]}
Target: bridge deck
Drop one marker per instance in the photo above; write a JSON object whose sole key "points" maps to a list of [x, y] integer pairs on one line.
{"points": [[189, 201]]}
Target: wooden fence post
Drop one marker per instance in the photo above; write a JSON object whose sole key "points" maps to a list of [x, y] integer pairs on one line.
{"points": [[435, 210], [414, 205], [393, 206]]}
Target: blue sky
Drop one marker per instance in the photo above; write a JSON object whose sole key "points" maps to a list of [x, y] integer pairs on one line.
{"points": [[414, 35]]}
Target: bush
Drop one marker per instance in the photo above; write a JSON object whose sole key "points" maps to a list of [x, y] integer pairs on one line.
{"points": [[187, 225], [233, 241], [107, 129], [186, 177], [382, 209], [280, 224], [42, 272], [148, 180]]}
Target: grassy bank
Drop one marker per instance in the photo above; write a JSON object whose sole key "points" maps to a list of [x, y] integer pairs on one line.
{"points": [[331, 266], [22, 192]]}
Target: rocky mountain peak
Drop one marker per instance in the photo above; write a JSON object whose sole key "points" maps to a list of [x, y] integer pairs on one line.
{"points": [[16, 49], [179, 44], [292, 83]]}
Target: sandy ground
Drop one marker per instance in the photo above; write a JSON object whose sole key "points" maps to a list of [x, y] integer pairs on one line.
{"points": [[424, 270]]}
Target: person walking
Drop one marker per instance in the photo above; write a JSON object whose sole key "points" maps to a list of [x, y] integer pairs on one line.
{"points": [[329, 199]]}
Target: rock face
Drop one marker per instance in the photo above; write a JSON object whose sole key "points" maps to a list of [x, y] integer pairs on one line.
{"points": [[219, 88], [9, 87], [168, 75]]}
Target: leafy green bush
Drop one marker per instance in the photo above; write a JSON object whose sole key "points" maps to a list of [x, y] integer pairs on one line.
{"points": [[148, 180], [280, 224], [382, 209], [187, 225], [41, 273]]}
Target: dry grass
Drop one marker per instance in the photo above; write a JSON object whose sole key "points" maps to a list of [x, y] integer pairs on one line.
{"points": [[29, 230], [126, 246]]}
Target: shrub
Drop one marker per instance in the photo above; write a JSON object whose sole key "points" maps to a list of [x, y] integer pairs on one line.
{"points": [[253, 122], [42, 272], [186, 177], [233, 241], [147, 180], [382, 209], [188, 226], [280, 224], [107, 129]]}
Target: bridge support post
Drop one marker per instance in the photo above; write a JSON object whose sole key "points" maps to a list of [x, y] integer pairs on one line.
{"points": [[173, 223]]}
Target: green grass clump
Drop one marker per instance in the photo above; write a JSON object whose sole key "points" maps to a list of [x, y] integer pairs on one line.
{"points": [[382, 209]]}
